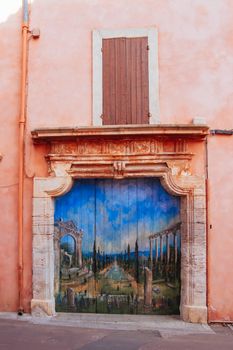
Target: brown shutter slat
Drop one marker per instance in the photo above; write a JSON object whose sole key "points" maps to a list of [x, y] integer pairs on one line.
{"points": [[133, 79], [125, 81], [139, 82], [128, 83], [106, 81], [112, 84], [123, 115], [117, 80], [120, 81], [145, 82]]}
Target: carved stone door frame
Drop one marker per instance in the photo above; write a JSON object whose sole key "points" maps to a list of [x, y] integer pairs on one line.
{"points": [[127, 156]]}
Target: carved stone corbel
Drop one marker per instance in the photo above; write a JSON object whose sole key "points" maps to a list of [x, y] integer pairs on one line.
{"points": [[119, 168]]}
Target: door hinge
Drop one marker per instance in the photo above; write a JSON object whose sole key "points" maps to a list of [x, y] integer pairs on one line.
{"points": [[148, 47], [149, 115]]}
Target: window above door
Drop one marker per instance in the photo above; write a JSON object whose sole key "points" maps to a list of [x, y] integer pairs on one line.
{"points": [[125, 77]]}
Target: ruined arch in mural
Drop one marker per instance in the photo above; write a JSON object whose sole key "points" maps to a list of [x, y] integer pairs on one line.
{"points": [[61, 230]]}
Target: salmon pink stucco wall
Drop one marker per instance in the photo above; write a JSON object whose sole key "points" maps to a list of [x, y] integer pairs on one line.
{"points": [[9, 110], [220, 235], [195, 50]]}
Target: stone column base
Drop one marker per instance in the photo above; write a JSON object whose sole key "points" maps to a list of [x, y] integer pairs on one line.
{"points": [[43, 308], [194, 314]]}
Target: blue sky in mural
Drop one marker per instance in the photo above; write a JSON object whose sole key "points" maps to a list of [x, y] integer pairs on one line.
{"points": [[119, 211]]}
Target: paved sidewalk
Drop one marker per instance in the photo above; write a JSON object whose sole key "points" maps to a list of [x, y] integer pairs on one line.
{"points": [[110, 332]]}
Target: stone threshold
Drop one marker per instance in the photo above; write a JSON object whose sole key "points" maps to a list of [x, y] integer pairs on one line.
{"points": [[166, 325]]}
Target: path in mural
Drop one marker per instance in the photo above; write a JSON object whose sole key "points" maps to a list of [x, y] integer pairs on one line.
{"points": [[119, 248]]}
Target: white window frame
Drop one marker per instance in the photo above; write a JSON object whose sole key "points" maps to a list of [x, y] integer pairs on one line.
{"points": [[97, 93]]}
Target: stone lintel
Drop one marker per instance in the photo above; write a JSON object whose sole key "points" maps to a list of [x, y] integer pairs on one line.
{"points": [[169, 130]]}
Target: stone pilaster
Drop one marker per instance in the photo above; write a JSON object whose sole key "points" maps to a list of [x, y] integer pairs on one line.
{"points": [[43, 303]]}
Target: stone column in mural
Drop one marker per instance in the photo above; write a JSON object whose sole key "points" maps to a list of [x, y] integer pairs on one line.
{"points": [[151, 253], [175, 255], [157, 249], [168, 248], [167, 255], [79, 250], [57, 261], [175, 246], [148, 287], [161, 248], [70, 299]]}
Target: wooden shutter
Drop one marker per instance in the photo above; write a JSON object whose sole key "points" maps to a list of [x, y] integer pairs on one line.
{"points": [[125, 81]]}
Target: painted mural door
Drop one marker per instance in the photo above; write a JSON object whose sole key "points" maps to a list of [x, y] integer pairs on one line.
{"points": [[119, 247]]}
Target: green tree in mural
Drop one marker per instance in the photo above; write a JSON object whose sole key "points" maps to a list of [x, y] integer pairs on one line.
{"points": [[136, 262], [94, 268]]}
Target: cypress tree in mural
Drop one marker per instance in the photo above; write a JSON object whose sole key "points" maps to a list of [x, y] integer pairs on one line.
{"points": [[136, 262], [98, 260], [128, 251], [104, 262], [94, 258], [178, 266]]}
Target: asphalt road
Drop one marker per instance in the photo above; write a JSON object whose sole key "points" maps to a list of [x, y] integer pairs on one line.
{"points": [[24, 335]]}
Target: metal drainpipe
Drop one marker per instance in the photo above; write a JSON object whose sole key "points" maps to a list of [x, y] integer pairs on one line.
{"points": [[22, 122], [207, 223]]}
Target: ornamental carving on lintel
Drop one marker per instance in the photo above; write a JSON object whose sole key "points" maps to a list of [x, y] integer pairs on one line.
{"points": [[125, 147], [111, 157]]}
